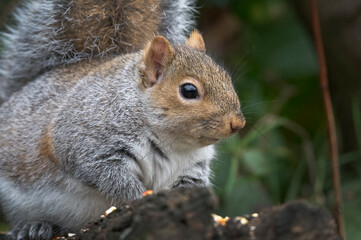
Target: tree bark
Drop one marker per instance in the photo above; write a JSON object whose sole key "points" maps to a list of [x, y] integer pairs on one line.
{"points": [[181, 214]]}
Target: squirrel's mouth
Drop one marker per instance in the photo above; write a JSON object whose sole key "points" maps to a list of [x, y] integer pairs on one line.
{"points": [[207, 140]]}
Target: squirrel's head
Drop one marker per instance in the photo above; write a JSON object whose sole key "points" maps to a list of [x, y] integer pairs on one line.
{"points": [[191, 98]]}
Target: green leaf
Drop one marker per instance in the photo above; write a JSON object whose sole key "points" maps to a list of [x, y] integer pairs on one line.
{"points": [[256, 162]]}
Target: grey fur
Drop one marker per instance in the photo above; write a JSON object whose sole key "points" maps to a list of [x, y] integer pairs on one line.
{"points": [[191, 176], [101, 124], [33, 231], [79, 136], [49, 33]]}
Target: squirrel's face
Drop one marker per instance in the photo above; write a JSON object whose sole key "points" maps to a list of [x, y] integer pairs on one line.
{"points": [[191, 97]]}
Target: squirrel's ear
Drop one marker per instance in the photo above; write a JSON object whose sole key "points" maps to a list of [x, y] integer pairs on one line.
{"points": [[158, 55], [195, 40]]}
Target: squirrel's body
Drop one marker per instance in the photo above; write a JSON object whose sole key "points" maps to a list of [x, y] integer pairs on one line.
{"points": [[82, 137], [50, 33], [36, 159]]}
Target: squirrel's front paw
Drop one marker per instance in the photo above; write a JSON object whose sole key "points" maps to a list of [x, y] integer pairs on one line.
{"points": [[33, 231], [189, 182]]}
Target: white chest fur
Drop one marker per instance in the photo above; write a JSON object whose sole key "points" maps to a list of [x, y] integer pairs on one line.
{"points": [[159, 171]]}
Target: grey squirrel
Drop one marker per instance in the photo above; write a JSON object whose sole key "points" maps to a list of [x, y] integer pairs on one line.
{"points": [[82, 137]]}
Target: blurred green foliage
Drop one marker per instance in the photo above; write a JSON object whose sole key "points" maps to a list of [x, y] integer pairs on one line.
{"points": [[282, 154]]}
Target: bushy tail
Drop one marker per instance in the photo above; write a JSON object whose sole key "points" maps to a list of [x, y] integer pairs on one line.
{"points": [[49, 33]]}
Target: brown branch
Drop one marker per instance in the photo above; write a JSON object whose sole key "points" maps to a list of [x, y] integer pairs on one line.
{"points": [[329, 116]]}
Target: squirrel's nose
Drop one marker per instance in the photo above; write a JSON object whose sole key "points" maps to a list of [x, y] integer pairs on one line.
{"points": [[237, 123]]}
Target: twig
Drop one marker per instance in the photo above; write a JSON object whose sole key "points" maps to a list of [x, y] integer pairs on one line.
{"points": [[329, 116]]}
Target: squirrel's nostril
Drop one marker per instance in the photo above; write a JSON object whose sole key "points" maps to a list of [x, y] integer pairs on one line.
{"points": [[237, 124]]}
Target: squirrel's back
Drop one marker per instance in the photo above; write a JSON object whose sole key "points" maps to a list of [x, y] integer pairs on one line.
{"points": [[49, 33]]}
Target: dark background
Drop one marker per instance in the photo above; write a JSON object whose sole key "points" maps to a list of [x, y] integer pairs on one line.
{"points": [[282, 154]]}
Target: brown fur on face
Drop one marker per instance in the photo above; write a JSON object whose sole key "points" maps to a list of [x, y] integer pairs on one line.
{"points": [[204, 120]]}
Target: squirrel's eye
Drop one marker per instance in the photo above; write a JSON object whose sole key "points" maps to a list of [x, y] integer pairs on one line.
{"points": [[189, 91]]}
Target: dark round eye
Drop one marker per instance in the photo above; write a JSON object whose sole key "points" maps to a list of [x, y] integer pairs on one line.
{"points": [[189, 91]]}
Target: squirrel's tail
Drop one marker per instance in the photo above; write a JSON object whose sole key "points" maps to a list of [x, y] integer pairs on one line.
{"points": [[49, 33]]}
